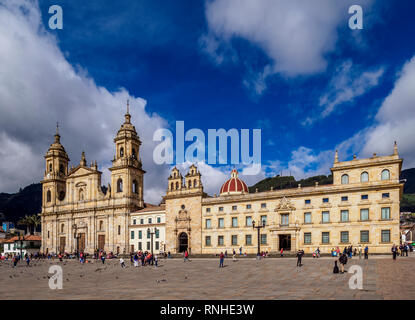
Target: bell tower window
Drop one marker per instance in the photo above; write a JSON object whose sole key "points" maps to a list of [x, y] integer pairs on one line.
{"points": [[134, 154], [62, 169], [50, 167], [135, 186], [119, 185], [48, 196], [121, 152]]}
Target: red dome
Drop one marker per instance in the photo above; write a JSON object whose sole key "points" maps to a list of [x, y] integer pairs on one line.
{"points": [[234, 185]]}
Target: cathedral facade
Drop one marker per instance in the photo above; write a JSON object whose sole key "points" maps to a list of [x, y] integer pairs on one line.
{"points": [[76, 213]]}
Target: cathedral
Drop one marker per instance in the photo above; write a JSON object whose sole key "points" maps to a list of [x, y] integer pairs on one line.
{"points": [[77, 215], [360, 208]]}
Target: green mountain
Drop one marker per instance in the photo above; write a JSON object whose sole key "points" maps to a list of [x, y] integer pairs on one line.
{"points": [[28, 200]]}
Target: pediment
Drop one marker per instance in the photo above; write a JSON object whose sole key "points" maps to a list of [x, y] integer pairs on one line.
{"points": [[81, 171], [285, 204]]}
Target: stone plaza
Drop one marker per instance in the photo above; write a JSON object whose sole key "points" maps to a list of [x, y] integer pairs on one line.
{"points": [[246, 278]]}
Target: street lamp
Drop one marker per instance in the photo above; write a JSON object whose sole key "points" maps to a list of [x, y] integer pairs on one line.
{"points": [[21, 245], [151, 234], [258, 227], [75, 237]]}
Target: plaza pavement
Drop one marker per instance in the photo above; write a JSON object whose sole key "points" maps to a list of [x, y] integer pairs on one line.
{"points": [[247, 278]]}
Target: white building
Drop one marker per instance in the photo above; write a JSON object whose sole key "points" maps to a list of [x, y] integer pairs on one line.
{"points": [[28, 244], [143, 223]]}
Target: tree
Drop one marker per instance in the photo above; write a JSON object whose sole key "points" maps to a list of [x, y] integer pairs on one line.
{"points": [[35, 220], [25, 221]]}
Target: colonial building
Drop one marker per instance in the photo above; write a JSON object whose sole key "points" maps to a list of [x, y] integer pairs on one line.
{"points": [[77, 215], [360, 207], [147, 228]]}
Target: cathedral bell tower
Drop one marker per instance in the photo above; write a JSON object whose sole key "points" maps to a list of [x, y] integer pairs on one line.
{"points": [[126, 171], [54, 180]]}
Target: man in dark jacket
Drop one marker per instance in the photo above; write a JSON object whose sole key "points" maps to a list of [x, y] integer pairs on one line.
{"points": [[343, 261], [300, 254]]}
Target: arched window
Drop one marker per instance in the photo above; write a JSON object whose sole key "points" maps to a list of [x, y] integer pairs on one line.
{"points": [[364, 177], [135, 186], [190, 183], [177, 185], [119, 185], [62, 169], [134, 154], [119, 230], [62, 227], [345, 179], [385, 174], [50, 167], [101, 225], [172, 186], [81, 195], [195, 183], [121, 152], [48, 196]]}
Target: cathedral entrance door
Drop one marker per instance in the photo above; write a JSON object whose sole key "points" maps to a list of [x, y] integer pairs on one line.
{"points": [[101, 241], [183, 242], [285, 242], [62, 242], [81, 242]]}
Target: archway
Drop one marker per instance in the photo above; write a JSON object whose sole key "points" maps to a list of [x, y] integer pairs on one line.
{"points": [[183, 242]]}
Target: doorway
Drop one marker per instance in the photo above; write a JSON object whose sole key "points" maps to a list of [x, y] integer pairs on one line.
{"points": [[62, 243], [101, 241], [285, 242], [183, 242], [81, 242]]}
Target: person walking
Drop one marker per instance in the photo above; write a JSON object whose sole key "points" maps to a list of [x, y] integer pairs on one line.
{"points": [[342, 261], [186, 256], [156, 260], [299, 257], [394, 251], [233, 255], [122, 263], [366, 252], [282, 252], [360, 251], [221, 258], [240, 251]]}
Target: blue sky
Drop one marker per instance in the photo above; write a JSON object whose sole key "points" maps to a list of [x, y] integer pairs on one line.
{"points": [[161, 51]]}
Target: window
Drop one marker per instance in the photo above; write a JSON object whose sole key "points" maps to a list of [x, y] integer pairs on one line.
{"points": [[307, 201], [364, 177], [140, 234], [364, 197], [344, 236], [121, 152], [345, 198], [325, 200], [307, 238], [325, 237], [307, 217], [248, 206], [134, 153], [157, 232], [386, 236], [234, 222], [132, 234], [208, 224], [385, 195], [48, 196], [221, 223], [119, 230], [207, 210], [140, 246], [345, 179], [119, 185], [135, 186], [150, 220], [220, 241], [134, 221], [263, 239], [344, 215], [234, 240], [284, 219], [48, 237], [385, 174], [157, 245], [234, 208], [148, 245], [141, 221], [208, 241], [386, 213], [148, 234], [248, 221], [364, 236], [50, 167], [101, 225], [220, 209], [62, 227], [190, 183], [325, 216], [158, 220], [264, 220], [263, 205], [248, 239], [62, 169], [364, 214]]}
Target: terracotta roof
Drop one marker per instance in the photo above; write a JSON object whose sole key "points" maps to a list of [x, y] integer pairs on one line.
{"points": [[234, 185], [26, 238], [151, 208]]}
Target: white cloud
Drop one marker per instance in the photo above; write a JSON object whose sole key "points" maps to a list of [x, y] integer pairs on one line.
{"points": [[38, 87], [296, 35]]}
